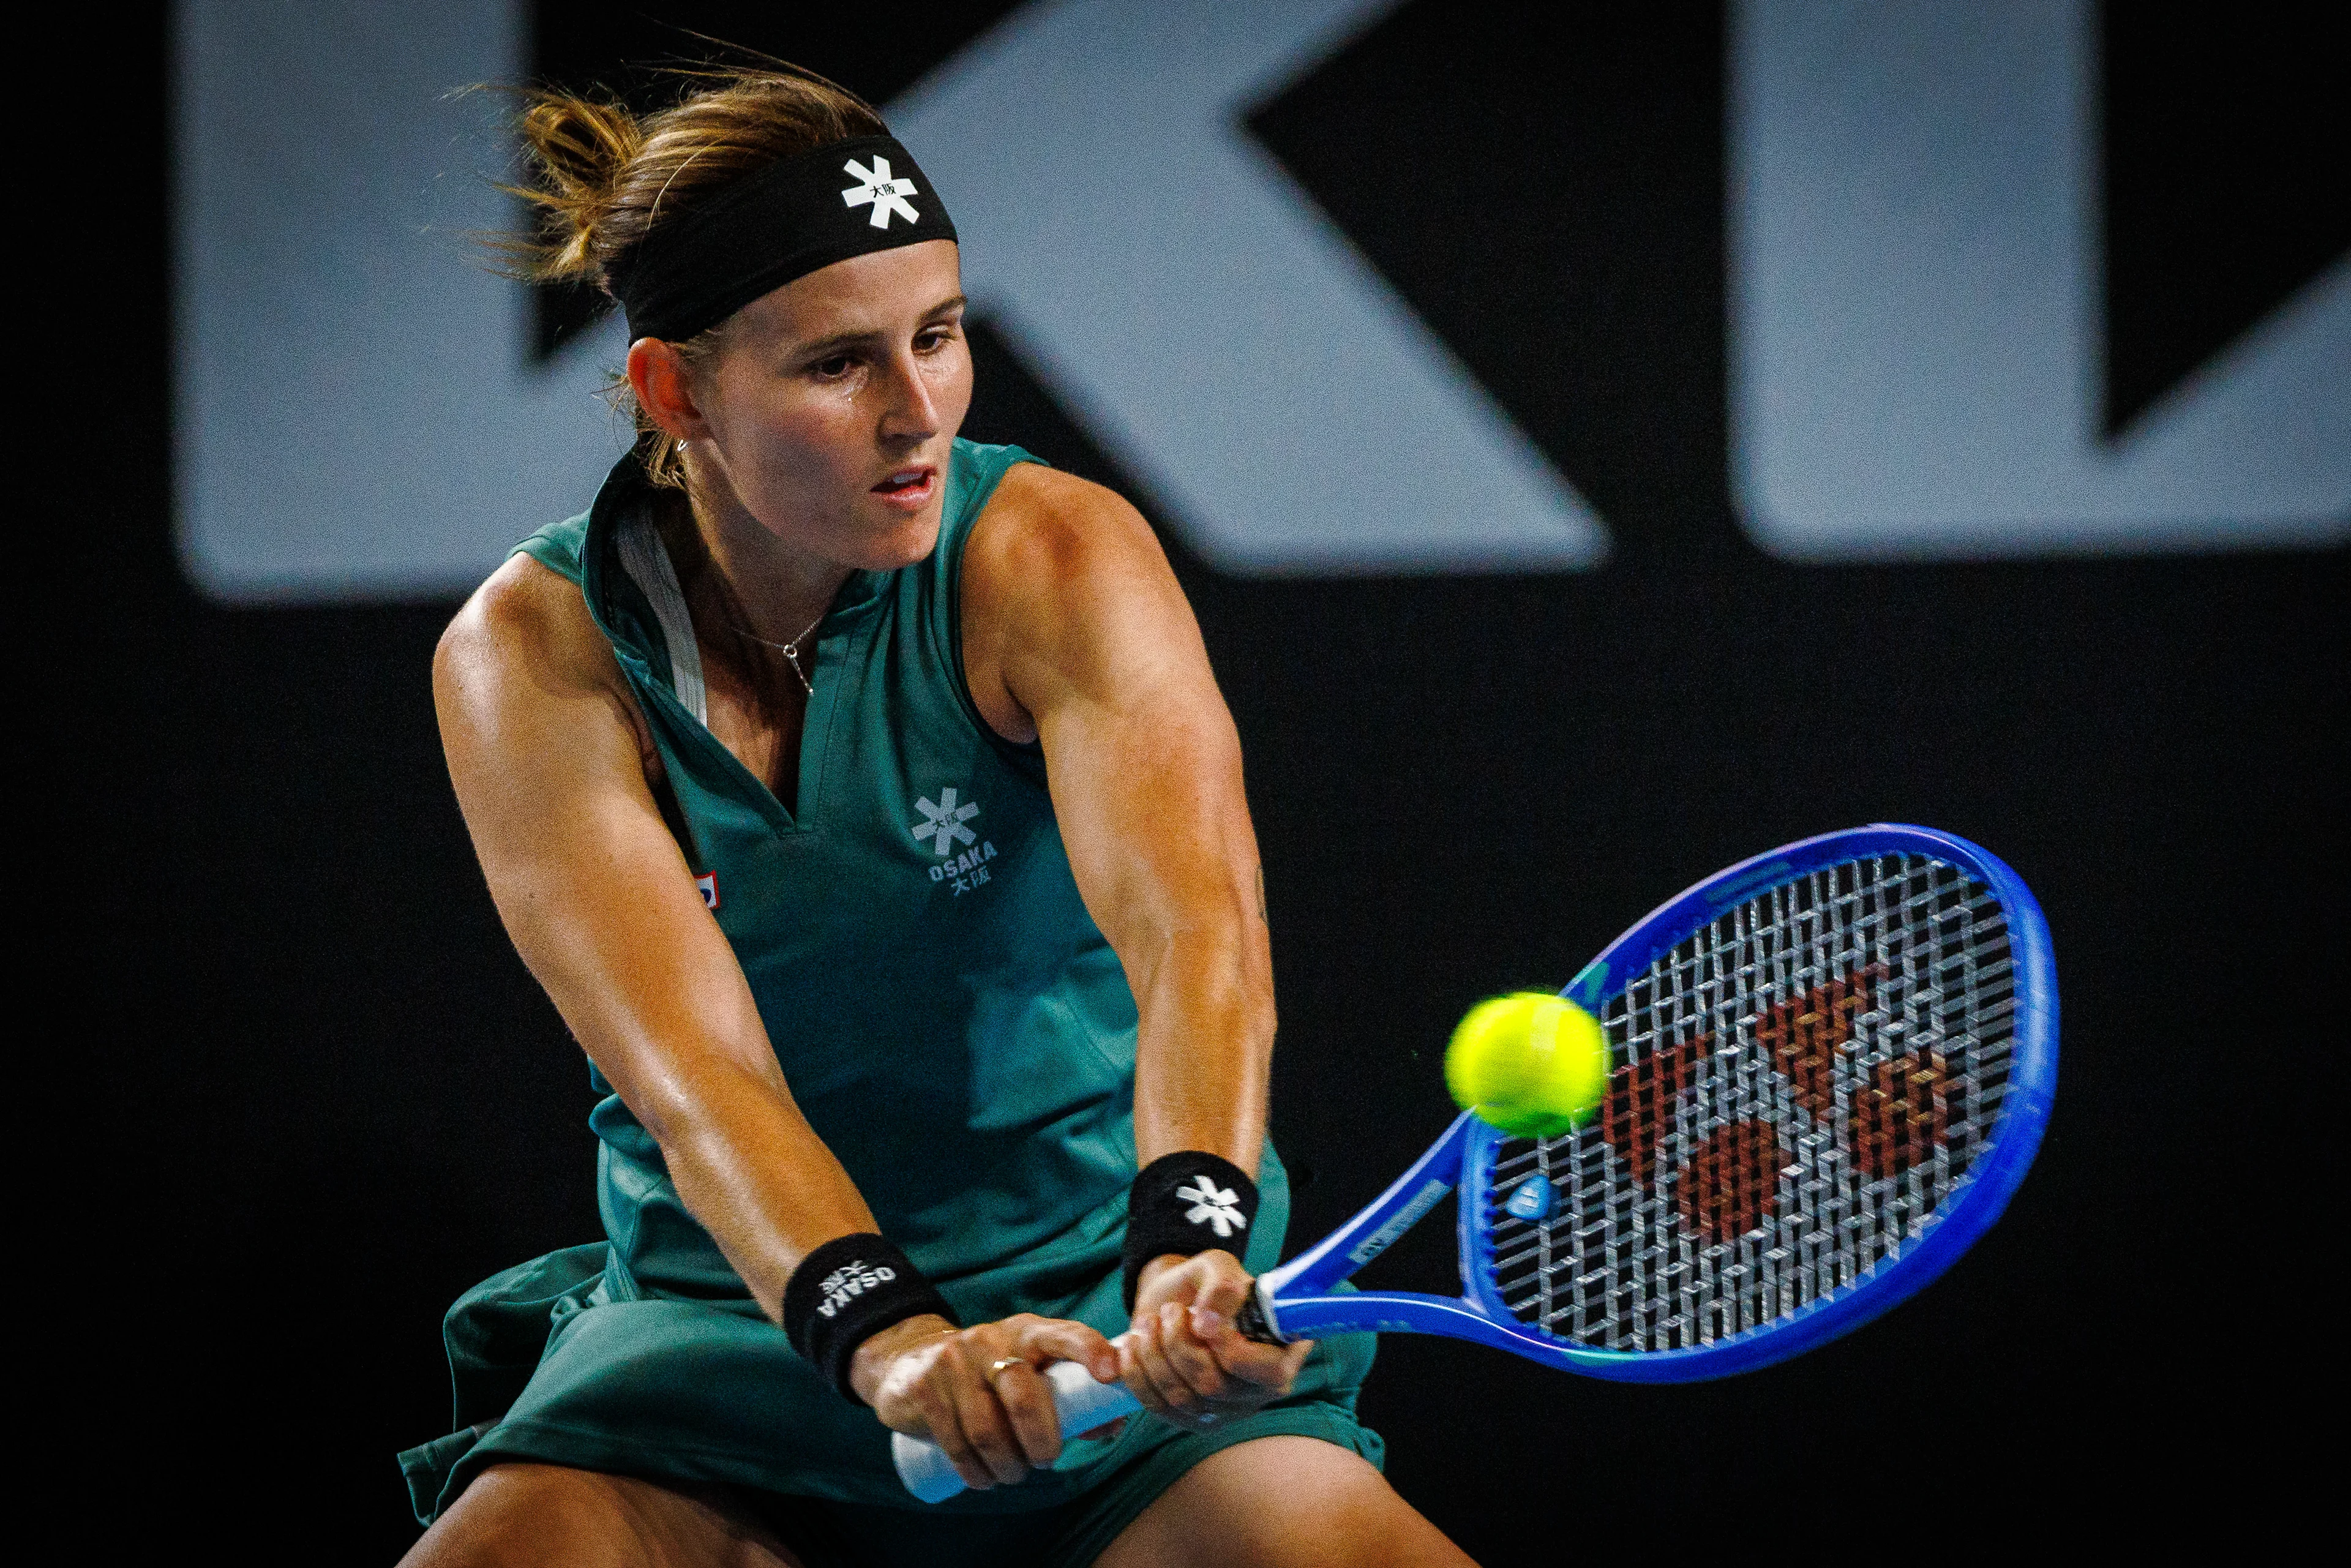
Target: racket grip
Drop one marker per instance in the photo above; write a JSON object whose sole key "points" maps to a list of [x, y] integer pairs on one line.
{"points": [[1253, 1323], [1081, 1404]]}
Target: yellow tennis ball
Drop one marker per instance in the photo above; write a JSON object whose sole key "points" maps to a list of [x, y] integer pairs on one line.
{"points": [[1530, 1064]]}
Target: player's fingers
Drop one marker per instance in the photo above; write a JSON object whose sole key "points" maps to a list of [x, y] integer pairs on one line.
{"points": [[1219, 1301], [1144, 1368], [1008, 1356], [1182, 1405], [1057, 1339], [1214, 1321], [1189, 1358], [985, 1422], [1131, 1373], [1028, 1404], [1260, 1366], [1293, 1360], [944, 1427]]}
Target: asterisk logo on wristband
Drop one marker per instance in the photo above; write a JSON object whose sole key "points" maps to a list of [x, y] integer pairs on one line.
{"points": [[1213, 1205]]}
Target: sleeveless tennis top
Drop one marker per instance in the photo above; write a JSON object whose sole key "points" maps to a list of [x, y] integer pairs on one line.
{"points": [[948, 1016]]}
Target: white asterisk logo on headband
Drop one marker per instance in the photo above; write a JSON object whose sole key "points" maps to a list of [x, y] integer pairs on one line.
{"points": [[880, 191]]}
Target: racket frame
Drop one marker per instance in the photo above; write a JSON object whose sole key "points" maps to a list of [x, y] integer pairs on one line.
{"points": [[1299, 1298]]}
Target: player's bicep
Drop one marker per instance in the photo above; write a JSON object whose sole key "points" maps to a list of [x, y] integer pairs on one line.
{"points": [[1142, 756]]}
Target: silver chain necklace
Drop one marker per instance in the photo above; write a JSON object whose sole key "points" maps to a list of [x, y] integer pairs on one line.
{"points": [[790, 650]]}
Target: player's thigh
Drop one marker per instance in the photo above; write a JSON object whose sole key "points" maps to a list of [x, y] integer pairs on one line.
{"points": [[526, 1515], [1281, 1503]]}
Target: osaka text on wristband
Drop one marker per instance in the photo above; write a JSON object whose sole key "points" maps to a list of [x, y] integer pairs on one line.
{"points": [[846, 1292]]}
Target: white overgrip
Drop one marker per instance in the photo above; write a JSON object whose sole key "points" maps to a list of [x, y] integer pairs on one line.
{"points": [[1080, 1403]]}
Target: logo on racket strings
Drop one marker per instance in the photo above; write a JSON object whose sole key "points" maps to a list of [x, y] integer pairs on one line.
{"points": [[1215, 1206]]}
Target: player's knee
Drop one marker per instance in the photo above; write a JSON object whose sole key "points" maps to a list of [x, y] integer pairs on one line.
{"points": [[1336, 1507], [1291, 1501], [514, 1514], [1341, 1499], [525, 1515]]}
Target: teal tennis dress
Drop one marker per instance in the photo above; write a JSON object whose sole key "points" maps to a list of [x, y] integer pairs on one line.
{"points": [[953, 1025]]}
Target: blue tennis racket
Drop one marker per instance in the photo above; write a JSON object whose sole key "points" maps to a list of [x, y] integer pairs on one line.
{"points": [[1830, 1068]]}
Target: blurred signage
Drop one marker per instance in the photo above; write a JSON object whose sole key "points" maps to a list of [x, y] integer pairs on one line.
{"points": [[1915, 316], [356, 412], [1914, 331], [1199, 313]]}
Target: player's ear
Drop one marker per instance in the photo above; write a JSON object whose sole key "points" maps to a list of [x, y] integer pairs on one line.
{"points": [[659, 377]]}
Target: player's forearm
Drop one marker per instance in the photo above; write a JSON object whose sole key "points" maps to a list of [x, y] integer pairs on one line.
{"points": [[1204, 1048], [751, 1170], [691, 1062]]}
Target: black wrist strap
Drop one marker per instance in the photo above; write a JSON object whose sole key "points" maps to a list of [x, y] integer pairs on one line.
{"points": [[848, 1291], [1184, 1204]]}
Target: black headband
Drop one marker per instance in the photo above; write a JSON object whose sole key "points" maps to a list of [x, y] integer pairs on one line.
{"points": [[807, 211]]}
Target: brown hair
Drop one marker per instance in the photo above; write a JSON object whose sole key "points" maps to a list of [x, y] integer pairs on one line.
{"points": [[601, 178]]}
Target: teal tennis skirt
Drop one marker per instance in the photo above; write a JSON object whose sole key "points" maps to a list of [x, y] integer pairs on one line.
{"points": [[563, 1361]]}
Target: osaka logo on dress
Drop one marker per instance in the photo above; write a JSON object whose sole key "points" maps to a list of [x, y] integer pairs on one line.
{"points": [[963, 855]]}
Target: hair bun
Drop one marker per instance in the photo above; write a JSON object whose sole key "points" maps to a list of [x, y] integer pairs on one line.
{"points": [[601, 178], [578, 149]]}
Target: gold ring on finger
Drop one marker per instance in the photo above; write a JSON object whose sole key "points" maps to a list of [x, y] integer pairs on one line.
{"points": [[996, 1368]]}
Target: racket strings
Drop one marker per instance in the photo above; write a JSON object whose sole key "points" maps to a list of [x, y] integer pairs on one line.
{"points": [[1797, 1091]]}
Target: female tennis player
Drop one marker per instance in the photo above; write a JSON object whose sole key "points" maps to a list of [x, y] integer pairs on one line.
{"points": [[864, 799]]}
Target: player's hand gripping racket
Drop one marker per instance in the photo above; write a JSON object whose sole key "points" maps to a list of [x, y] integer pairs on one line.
{"points": [[1829, 1068]]}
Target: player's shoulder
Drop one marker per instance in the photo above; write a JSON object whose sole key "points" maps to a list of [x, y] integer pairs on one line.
{"points": [[1044, 528], [526, 622]]}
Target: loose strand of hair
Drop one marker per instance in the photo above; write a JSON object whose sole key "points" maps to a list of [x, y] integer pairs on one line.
{"points": [[774, 63]]}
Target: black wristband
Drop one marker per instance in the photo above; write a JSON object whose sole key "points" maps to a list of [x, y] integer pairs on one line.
{"points": [[848, 1291], [1184, 1204]]}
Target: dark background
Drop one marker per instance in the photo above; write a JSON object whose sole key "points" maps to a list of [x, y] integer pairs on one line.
{"points": [[301, 1093]]}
